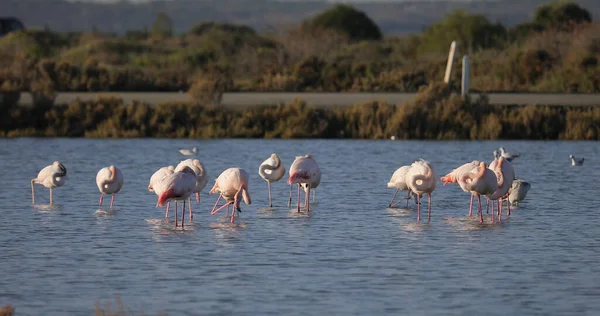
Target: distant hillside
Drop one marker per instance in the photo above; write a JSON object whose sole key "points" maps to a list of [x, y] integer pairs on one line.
{"points": [[393, 18]]}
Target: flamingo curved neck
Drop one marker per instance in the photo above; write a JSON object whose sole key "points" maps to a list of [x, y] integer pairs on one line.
{"points": [[110, 180]]}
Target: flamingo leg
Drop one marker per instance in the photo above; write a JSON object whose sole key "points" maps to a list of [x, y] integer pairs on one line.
{"points": [[198, 197], [101, 199], [290, 200], [216, 203], [232, 221], [499, 210], [487, 206], [307, 202], [480, 210], [393, 197], [227, 210], [419, 208], [32, 192], [176, 220], [493, 202], [112, 201], [183, 213], [314, 195], [508, 205], [270, 201], [190, 208], [167, 212], [407, 198], [220, 208], [298, 197], [471, 206], [428, 207], [50, 196]]}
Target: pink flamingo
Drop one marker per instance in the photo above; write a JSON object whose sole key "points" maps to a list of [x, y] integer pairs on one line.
{"points": [[305, 170], [455, 174], [52, 176], [178, 186], [231, 185], [505, 174], [201, 179], [271, 170], [480, 181], [398, 181], [421, 179], [155, 185], [109, 181]]}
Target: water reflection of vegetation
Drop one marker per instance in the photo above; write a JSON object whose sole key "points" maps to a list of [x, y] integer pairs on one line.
{"points": [[435, 114]]}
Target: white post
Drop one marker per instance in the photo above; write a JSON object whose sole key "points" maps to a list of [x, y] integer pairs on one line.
{"points": [[450, 62], [465, 76]]}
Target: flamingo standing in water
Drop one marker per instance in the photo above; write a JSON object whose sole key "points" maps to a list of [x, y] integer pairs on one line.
{"points": [[505, 174], [480, 181], [178, 186], [155, 185], [455, 174], [109, 181], [305, 170], [398, 181], [52, 176], [232, 185], [313, 187], [421, 179], [271, 170], [201, 179]]}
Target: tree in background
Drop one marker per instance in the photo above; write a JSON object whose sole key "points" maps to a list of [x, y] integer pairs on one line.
{"points": [[344, 19], [561, 14], [472, 31], [163, 25], [558, 15]]}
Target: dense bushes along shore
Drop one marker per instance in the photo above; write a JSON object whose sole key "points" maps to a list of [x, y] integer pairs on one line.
{"points": [[435, 114], [340, 49]]}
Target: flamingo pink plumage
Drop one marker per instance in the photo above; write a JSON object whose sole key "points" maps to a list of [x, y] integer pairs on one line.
{"points": [[201, 179], [505, 174], [455, 174], [155, 185], [109, 181], [480, 181], [305, 170], [398, 181], [232, 185], [178, 186], [421, 179]]}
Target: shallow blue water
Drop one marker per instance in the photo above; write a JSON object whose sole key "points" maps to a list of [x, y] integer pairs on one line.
{"points": [[351, 256]]}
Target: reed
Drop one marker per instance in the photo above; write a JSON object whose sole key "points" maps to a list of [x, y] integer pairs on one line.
{"points": [[437, 113]]}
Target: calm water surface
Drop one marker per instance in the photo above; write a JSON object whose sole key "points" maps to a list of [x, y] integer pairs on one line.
{"points": [[351, 256]]}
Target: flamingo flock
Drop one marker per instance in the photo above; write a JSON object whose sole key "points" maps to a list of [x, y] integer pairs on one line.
{"points": [[178, 184], [495, 181]]}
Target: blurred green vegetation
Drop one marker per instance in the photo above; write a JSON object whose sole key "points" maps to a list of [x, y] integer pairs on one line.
{"points": [[340, 49], [557, 51]]}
